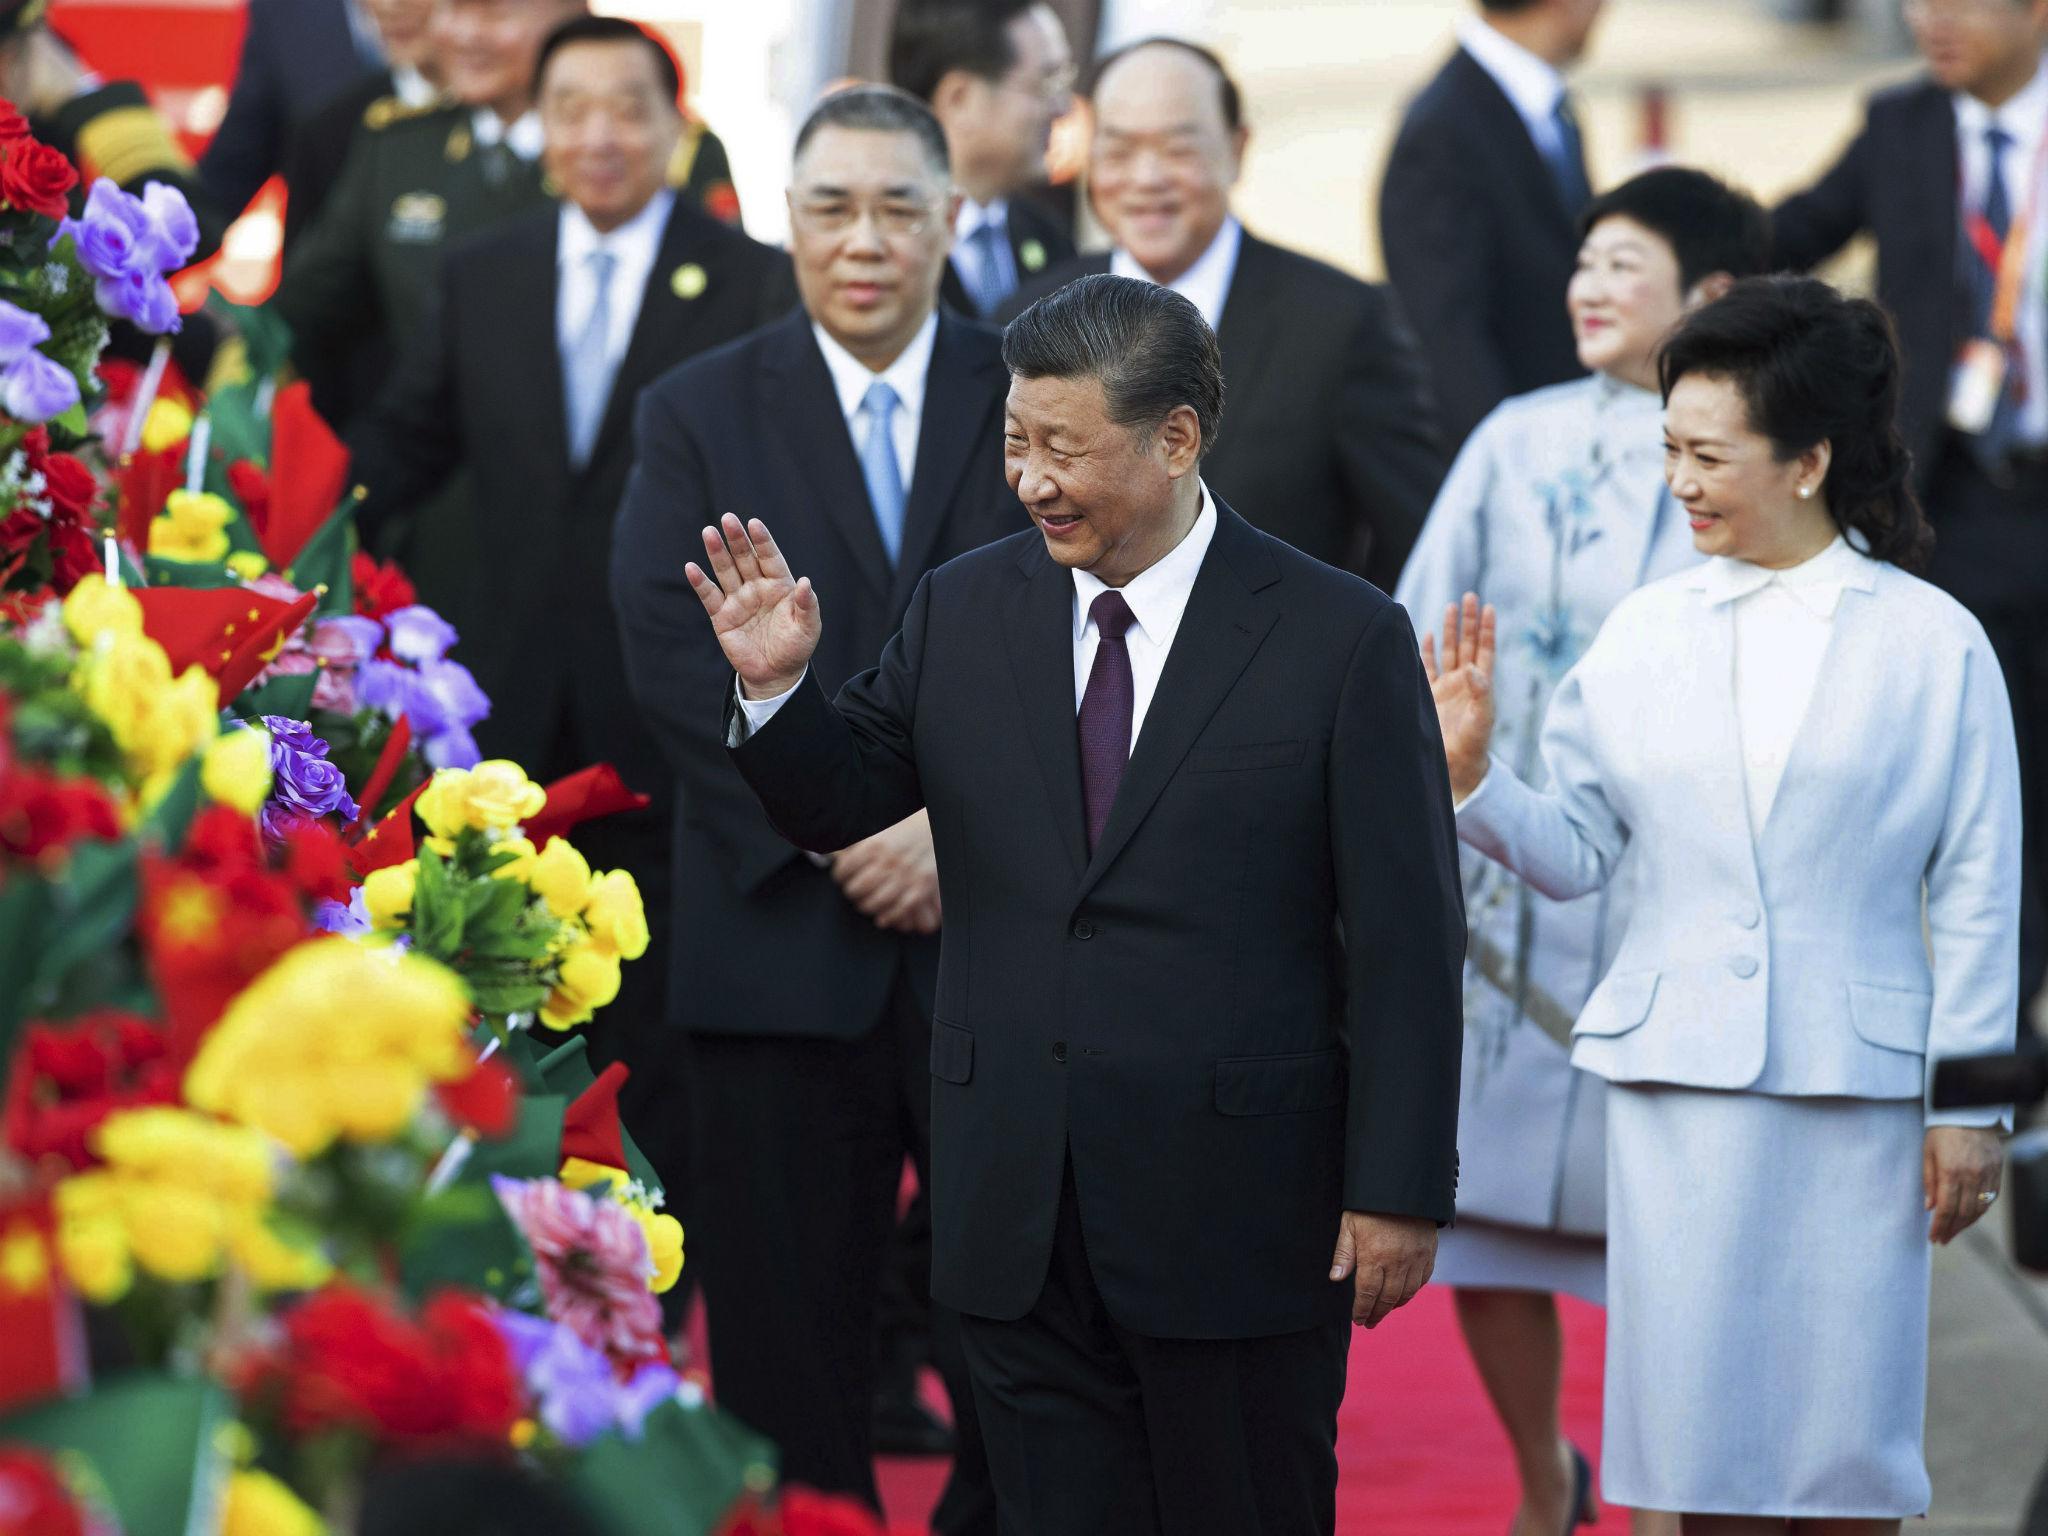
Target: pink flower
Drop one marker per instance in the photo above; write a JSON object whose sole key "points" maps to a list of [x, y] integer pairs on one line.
{"points": [[594, 1267]]}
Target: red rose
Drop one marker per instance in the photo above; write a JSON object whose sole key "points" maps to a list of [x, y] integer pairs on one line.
{"points": [[72, 489], [67, 1078], [37, 179], [73, 556], [41, 815], [12, 124], [34, 1497], [380, 589]]}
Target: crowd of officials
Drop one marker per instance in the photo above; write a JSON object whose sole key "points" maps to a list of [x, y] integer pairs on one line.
{"points": [[517, 278]]}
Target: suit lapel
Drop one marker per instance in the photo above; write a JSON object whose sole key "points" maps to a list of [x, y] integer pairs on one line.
{"points": [[795, 388], [954, 432], [1038, 623], [1228, 616], [1712, 713], [1246, 332]]}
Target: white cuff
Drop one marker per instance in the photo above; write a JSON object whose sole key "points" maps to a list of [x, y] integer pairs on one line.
{"points": [[755, 713], [1458, 806]]}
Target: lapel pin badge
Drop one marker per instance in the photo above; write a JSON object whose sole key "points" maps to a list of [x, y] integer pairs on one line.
{"points": [[688, 281], [1032, 254]]}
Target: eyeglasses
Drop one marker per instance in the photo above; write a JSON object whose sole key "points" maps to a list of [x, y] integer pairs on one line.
{"points": [[1055, 86], [894, 219]]}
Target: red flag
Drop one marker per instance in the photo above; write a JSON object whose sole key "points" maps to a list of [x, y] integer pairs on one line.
{"points": [[146, 483], [583, 796], [390, 841], [229, 632], [308, 475], [388, 762], [590, 1125]]}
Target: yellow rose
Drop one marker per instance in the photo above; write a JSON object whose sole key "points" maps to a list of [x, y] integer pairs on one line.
{"points": [[272, 1263], [387, 893], [561, 878], [615, 916], [664, 1245], [374, 1099], [167, 425], [247, 564], [236, 771], [500, 795], [175, 1233], [444, 804], [520, 865], [588, 978], [94, 1253], [96, 606], [257, 1504], [191, 527]]}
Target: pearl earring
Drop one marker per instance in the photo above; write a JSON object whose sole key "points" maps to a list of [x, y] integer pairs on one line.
{"points": [[1806, 493]]}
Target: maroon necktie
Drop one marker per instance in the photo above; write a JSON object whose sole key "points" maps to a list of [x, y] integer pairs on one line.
{"points": [[1106, 708]]}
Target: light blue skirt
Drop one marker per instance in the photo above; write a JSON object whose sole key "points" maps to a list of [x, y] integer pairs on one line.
{"points": [[1767, 1293]]}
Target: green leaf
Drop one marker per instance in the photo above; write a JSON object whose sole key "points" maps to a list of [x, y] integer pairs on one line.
{"points": [[94, 906], [326, 558], [703, 1462], [208, 574], [437, 915], [167, 822], [72, 421], [502, 999], [152, 1445], [532, 1151], [26, 909], [463, 1237], [291, 697]]}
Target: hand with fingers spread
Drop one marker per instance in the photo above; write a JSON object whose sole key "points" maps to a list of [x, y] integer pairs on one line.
{"points": [[1387, 1259], [1960, 1169], [1460, 670], [767, 621], [893, 877]]}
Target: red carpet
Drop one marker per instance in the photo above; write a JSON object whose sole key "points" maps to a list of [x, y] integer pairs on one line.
{"points": [[1421, 1453]]}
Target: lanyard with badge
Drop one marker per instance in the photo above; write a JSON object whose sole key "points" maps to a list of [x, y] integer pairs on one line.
{"points": [[1985, 362]]}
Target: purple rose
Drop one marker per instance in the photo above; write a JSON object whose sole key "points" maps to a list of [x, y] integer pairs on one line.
{"points": [[172, 224], [143, 299], [21, 332], [580, 1396], [304, 785], [34, 388], [386, 688], [419, 635], [295, 734], [452, 749], [115, 237], [350, 921], [449, 697]]}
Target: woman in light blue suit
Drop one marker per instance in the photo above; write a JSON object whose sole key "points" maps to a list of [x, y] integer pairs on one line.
{"points": [[1557, 509], [1802, 749]]}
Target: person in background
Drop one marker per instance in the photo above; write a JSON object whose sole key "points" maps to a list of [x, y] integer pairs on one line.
{"points": [[1336, 449], [870, 426], [297, 55], [996, 75], [545, 331], [1946, 173], [1480, 205], [1557, 509], [1807, 757]]}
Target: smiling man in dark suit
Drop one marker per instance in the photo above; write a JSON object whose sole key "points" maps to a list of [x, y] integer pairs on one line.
{"points": [[1195, 1059], [868, 427], [546, 332], [1332, 444], [1480, 205]]}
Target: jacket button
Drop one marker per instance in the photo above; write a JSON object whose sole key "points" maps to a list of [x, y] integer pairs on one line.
{"points": [[1083, 929], [1748, 917], [1743, 966], [1059, 1052]]}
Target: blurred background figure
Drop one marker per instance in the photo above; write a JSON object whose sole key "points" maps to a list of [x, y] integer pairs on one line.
{"points": [[1336, 451], [1557, 509], [996, 74], [1480, 206], [1947, 174]]}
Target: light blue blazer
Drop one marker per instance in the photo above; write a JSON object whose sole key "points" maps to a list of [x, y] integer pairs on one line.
{"points": [[1797, 962]]}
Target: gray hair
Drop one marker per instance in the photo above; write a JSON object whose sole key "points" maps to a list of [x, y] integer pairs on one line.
{"points": [[879, 109], [1148, 347]]}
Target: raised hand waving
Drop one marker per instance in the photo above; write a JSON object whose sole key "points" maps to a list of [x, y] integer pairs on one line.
{"points": [[767, 621]]}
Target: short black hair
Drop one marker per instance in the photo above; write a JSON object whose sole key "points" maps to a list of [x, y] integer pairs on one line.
{"points": [[1507, 7], [932, 38], [1233, 99], [878, 109], [1710, 226], [1148, 347], [1813, 367], [611, 29]]}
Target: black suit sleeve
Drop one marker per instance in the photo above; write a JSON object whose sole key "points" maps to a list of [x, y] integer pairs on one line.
{"points": [[411, 441], [830, 774], [327, 282], [1394, 846], [247, 146], [1434, 232], [1388, 450], [1809, 227]]}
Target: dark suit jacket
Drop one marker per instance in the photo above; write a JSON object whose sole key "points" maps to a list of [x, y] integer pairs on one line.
{"points": [[485, 393], [1479, 245], [765, 942], [296, 54], [1176, 1010], [1897, 180], [319, 149], [1039, 242], [1329, 426]]}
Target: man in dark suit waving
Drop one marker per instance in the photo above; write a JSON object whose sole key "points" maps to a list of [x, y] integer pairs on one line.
{"points": [[1194, 1065], [867, 426]]}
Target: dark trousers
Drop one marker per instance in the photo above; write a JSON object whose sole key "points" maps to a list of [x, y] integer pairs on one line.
{"points": [[1094, 1429], [1991, 555], [799, 1156]]}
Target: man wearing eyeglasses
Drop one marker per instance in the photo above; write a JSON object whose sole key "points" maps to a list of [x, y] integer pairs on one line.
{"points": [[1949, 174], [868, 430]]}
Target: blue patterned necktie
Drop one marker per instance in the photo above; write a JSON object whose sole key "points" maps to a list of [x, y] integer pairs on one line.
{"points": [[982, 273], [1567, 158], [878, 466], [588, 368], [1996, 210], [1108, 705]]}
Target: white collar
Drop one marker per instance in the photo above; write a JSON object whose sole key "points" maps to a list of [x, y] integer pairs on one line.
{"points": [[2024, 115], [1817, 582], [973, 215], [1532, 84], [634, 243], [413, 88], [1158, 595], [1206, 284], [523, 136], [851, 377]]}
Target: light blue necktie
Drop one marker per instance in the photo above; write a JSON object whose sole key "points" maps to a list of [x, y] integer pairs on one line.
{"points": [[878, 465], [983, 274], [587, 371]]}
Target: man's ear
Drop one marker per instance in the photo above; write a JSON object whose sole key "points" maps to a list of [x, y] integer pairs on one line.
{"points": [[954, 93], [1180, 437], [1240, 139], [1709, 288]]}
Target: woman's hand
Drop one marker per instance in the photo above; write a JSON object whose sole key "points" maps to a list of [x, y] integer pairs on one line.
{"points": [[1462, 682], [1960, 1166]]}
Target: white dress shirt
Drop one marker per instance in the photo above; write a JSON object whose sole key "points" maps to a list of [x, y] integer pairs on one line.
{"points": [[1531, 84], [851, 378], [413, 88], [2024, 118], [1206, 284], [633, 246], [523, 136], [1783, 621]]}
